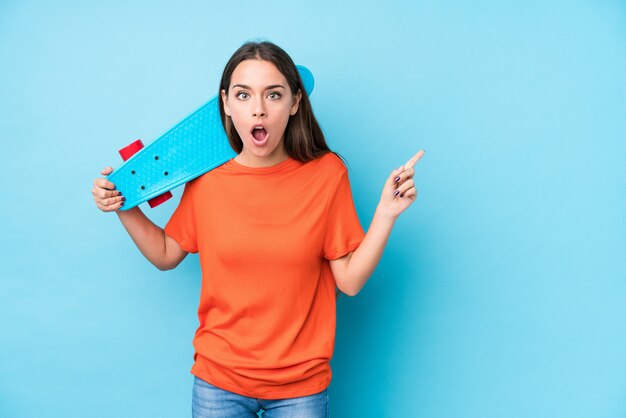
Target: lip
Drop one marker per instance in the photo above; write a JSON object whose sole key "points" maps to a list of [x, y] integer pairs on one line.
{"points": [[257, 126]]}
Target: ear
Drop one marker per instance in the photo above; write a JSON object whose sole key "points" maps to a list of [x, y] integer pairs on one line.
{"points": [[296, 103], [225, 101]]}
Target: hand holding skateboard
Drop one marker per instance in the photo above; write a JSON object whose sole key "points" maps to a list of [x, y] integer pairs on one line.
{"points": [[106, 197]]}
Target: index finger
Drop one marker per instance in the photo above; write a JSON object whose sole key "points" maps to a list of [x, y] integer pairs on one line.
{"points": [[414, 159]]}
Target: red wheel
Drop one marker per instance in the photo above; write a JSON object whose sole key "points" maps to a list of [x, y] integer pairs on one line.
{"points": [[131, 149], [156, 201]]}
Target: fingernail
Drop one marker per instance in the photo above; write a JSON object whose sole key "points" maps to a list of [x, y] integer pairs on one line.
{"points": [[123, 198], [397, 178], [402, 195], [396, 192], [119, 193], [121, 204]]}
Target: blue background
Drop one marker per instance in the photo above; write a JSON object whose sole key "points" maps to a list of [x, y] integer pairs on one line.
{"points": [[501, 292]]}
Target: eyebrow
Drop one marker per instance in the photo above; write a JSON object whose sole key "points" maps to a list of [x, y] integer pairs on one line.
{"points": [[273, 86]]}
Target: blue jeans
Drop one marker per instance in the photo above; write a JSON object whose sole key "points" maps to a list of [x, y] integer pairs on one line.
{"points": [[211, 401]]}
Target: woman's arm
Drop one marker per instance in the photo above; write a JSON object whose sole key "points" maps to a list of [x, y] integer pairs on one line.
{"points": [[352, 271], [162, 251]]}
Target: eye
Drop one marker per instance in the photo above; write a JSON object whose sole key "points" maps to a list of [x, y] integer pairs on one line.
{"points": [[274, 95], [239, 94]]}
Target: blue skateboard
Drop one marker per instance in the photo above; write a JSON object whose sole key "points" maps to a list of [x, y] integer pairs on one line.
{"points": [[190, 148]]}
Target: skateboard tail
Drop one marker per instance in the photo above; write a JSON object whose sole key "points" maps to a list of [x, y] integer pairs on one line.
{"points": [[130, 150]]}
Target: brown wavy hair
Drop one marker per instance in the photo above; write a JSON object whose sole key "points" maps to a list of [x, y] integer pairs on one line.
{"points": [[304, 139]]}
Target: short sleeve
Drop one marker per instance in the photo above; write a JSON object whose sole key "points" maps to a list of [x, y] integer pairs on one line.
{"points": [[343, 229], [182, 225]]}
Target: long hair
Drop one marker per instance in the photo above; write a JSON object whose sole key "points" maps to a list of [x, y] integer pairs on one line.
{"points": [[304, 139]]}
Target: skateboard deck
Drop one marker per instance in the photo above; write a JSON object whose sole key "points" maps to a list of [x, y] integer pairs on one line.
{"points": [[190, 148]]}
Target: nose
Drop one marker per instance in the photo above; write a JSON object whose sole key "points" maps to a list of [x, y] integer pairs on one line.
{"points": [[259, 108]]}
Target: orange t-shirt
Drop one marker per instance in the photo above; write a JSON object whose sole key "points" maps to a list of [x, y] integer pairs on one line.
{"points": [[267, 303]]}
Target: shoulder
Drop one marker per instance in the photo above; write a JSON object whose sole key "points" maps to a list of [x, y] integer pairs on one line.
{"points": [[205, 179], [331, 173], [332, 163], [191, 186]]}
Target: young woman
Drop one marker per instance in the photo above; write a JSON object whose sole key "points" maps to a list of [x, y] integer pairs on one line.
{"points": [[277, 232]]}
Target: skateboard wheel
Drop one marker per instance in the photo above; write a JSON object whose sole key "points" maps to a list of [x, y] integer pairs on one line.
{"points": [[131, 149], [154, 202]]}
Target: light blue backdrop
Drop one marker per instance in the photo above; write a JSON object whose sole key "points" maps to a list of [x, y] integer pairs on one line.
{"points": [[502, 290]]}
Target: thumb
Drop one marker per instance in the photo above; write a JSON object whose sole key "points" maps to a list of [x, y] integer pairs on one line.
{"points": [[107, 170]]}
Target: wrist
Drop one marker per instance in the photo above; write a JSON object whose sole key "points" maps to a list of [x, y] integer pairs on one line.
{"points": [[126, 213], [384, 214]]}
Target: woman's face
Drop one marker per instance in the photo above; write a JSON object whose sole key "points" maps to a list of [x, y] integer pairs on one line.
{"points": [[259, 96]]}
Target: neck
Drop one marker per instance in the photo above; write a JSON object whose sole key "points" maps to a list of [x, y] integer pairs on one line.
{"points": [[278, 156]]}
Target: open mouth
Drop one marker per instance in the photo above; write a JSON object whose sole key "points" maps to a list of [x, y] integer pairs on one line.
{"points": [[259, 134]]}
